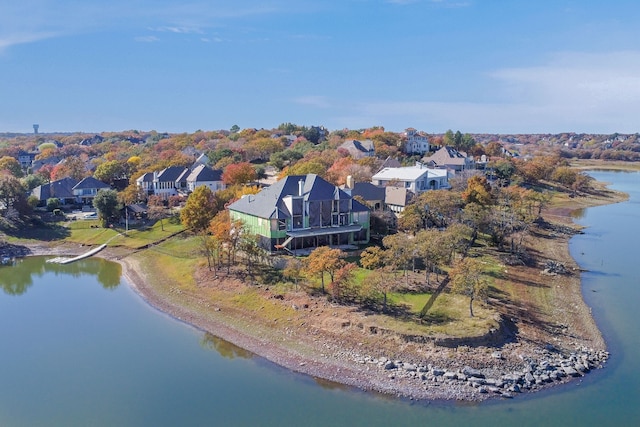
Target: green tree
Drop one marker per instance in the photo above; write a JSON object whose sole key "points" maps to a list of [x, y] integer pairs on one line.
{"points": [[31, 181], [400, 252], [430, 250], [52, 204], [466, 279], [12, 195], [110, 171], [448, 138], [106, 203], [199, 209]]}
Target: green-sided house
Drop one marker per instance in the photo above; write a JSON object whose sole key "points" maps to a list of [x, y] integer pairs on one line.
{"points": [[303, 211]]}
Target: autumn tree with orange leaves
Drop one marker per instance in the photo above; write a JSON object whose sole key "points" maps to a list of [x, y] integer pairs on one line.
{"points": [[239, 173]]}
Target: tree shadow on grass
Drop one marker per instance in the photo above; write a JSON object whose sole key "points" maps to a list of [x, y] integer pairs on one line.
{"points": [[436, 318], [39, 231]]}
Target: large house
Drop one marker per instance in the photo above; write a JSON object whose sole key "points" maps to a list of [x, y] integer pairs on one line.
{"points": [[204, 175], [416, 178], [358, 149], [449, 158], [416, 143], [176, 180], [87, 188], [61, 189], [303, 211]]}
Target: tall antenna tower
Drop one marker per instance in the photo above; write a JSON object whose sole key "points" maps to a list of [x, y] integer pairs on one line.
{"points": [[35, 128]]}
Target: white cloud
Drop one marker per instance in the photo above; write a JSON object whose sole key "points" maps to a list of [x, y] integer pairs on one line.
{"points": [[147, 39], [13, 39], [314, 101], [597, 93], [35, 20]]}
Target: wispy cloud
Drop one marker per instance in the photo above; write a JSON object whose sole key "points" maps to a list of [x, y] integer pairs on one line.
{"points": [[22, 23], [13, 39], [178, 30], [440, 3], [316, 101], [147, 39], [572, 92]]}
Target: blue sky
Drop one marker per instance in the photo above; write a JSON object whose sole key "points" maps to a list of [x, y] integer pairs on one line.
{"points": [[181, 65]]}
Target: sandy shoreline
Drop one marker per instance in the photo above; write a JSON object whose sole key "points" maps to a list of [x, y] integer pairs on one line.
{"points": [[530, 362]]}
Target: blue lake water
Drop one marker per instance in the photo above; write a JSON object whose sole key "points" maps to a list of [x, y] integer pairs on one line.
{"points": [[79, 348]]}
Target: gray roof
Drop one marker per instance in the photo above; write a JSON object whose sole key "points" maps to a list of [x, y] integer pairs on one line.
{"points": [[368, 191], [136, 208], [203, 173], [173, 174], [357, 148], [268, 203], [90, 182], [61, 189], [147, 177]]}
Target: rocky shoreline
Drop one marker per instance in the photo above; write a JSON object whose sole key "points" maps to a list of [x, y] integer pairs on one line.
{"points": [[551, 368]]}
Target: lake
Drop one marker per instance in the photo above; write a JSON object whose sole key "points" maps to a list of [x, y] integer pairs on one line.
{"points": [[78, 347]]}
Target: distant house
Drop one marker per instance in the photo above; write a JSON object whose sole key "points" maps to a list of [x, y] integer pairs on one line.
{"points": [[372, 195], [390, 162], [201, 160], [166, 183], [397, 198], [449, 158], [25, 158], [95, 139], [302, 212], [61, 189], [416, 143], [417, 178], [38, 164], [86, 189], [133, 213], [358, 149], [176, 180], [204, 175]]}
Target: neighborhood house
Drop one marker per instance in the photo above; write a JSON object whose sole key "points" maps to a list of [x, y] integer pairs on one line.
{"points": [[415, 178], [302, 212]]}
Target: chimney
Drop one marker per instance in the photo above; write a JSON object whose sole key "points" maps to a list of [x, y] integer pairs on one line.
{"points": [[350, 183], [300, 187]]}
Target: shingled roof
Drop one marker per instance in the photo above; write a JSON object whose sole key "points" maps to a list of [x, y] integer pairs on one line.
{"points": [[268, 203]]}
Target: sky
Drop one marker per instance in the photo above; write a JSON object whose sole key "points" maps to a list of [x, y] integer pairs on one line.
{"points": [[478, 66]]}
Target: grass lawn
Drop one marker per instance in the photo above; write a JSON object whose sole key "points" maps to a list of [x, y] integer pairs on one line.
{"points": [[90, 233]]}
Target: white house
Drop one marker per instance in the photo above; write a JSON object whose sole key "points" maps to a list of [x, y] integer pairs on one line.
{"points": [[168, 182], [416, 178], [450, 158], [204, 175], [87, 188], [417, 143], [176, 180]]}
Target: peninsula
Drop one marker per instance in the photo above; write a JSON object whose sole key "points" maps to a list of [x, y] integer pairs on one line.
{"points": [[461, 289]]}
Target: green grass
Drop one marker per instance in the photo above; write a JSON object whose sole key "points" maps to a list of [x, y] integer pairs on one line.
{"points": [[82, 232], [414, 302]]}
